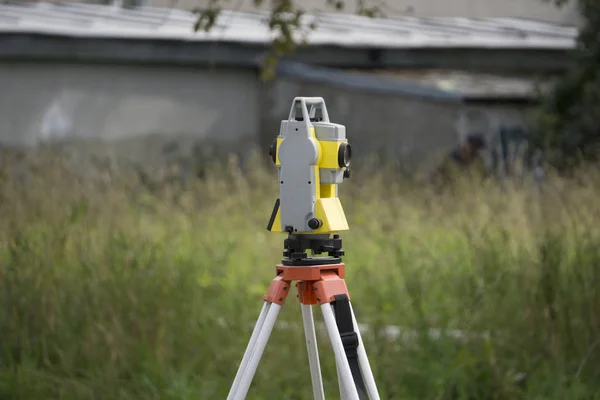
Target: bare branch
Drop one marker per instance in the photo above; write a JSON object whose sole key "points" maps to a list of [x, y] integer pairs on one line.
{"points": [[286, 20]]}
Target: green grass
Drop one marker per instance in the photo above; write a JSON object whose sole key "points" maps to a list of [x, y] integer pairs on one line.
{"points": [[109, 290]]}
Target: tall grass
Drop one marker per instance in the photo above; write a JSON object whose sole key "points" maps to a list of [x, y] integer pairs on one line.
{"points": [[113, 290]]}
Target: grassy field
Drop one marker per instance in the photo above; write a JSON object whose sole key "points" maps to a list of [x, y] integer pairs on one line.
{"points": [[115, 291]]}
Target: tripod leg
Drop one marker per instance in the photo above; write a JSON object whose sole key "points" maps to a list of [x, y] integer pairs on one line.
{"points": [[365, 366], [249, 349], [343, 395], [340, 354], [259, 347], [313, 352]]}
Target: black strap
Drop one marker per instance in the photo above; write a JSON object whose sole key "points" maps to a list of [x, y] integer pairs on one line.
{"points": [[343, 317]]}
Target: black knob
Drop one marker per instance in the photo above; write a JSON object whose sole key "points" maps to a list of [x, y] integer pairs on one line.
{"points": [[315, 223], [347, 174], [273, 151]]}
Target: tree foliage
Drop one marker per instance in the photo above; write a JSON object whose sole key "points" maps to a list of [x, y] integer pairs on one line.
{"points": [[286, 20], [569, 117]]}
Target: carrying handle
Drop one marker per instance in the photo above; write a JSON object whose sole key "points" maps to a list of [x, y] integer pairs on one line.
{"points": [[299, 111]]}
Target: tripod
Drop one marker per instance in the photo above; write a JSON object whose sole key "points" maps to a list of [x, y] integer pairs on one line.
{"points": [[319, 282]]}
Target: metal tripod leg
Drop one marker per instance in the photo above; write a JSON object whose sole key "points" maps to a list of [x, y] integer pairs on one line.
{"points": [[364, 364], [254, 351], [340, 354], [343, 395], [313, 352], [365, 367], [249, 349]]}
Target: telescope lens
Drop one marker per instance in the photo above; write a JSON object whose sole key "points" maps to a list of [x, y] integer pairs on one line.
{"points": [[347, 155], [344, 155]]}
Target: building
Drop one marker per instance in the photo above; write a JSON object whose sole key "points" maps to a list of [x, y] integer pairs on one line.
{"points": [[412, 118], [540, 10], [141, 84]]}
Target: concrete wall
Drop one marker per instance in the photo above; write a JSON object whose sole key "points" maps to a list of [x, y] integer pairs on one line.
{"points": [[489, 118], [398, 127], [152, 116], [146, 114]]}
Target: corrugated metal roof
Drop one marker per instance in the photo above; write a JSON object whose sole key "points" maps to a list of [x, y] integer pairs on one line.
{"points": [[93, 20], [468, 84]]}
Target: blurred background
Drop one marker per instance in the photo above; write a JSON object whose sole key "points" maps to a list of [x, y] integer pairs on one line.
{"points": [[135, 188], [135, 82]]}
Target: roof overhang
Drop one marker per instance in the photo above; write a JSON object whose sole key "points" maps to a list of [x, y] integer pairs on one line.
{"points": [[343, 30]]}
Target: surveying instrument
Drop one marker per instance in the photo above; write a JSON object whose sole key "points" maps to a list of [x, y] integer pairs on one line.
{"points": [[312, 156]]}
